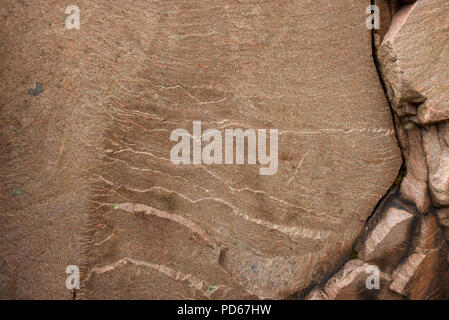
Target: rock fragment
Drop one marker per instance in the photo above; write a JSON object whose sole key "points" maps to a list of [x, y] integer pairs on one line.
{"points": [[350, 282], [443, 219], [436, 146], [387, 243], [417, 78], [317, 294], [414, 187], [425, 273]]}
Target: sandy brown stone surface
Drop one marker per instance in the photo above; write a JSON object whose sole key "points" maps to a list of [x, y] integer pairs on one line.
{"points": [[87, 178], [405, 235], [271, 236]]}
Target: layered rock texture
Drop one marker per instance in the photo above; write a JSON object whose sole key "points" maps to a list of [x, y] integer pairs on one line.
{"points": [[405, 237], [87, 175], [255, 66]]}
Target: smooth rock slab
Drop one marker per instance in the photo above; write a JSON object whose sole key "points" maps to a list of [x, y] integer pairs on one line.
{"points": [[303, 68]]}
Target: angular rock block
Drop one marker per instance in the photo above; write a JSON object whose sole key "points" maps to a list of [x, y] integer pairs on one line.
{"points": [[317, 294], [414, 187], [436, 146], [351, 283], [423, 276], [443, 219], [425, 273], [417, 78], [387, 243]]}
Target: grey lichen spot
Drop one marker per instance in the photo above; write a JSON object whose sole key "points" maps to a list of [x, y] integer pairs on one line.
{"points": [[37, 91]]}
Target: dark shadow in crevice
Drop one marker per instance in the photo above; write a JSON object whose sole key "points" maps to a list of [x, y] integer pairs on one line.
{"points": [[393, 191]]}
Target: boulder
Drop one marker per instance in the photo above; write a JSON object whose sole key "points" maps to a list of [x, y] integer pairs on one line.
{"points": [[354, 281], [389, 240], [417, 78], [425, 273]]}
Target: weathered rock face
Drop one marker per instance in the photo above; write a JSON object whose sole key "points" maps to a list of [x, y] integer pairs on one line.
{"points": [[245, 66], [350, 283], [405, 237], [415, 77], [386, 243], [87, 177], [436, 145], [44, 142], [414, 188], [417, 80], [424, 274], [443, 219], [173, 230]]}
